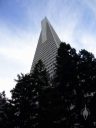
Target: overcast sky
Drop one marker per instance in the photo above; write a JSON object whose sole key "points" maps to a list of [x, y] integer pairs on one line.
{"points": [[20, 25]]}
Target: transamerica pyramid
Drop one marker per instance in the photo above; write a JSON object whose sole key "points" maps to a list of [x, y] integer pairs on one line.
{"points": [[47, 46]]}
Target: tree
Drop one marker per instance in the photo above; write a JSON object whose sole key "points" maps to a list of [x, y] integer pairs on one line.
{"points": [[4, 111], [65, 80], [26, 97], [3, 115], [42, 83], [75, 79], [69, 101], [87, 84]]}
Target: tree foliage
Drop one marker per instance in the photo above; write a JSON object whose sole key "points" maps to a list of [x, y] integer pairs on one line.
{"points": [[76, 79], [26, 97], [69, 100]]}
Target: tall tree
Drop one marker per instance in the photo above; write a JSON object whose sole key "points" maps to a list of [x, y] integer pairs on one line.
{"points": [[87, 84], [26, 97], [75, 79], [65, 80], [4, 111]]}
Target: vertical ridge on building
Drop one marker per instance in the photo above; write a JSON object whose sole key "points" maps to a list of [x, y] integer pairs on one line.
{"points": [[47, 46]]}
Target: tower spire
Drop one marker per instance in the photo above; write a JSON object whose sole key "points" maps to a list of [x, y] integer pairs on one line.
{"points": [[45, 24], [48, 44]]}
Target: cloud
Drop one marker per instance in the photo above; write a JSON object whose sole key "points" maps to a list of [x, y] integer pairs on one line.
{"points": [[19, 31], [74, 22], [92, 5], [17, 46], [7, 84], [16, 54], [65, 18], [89, 42]]}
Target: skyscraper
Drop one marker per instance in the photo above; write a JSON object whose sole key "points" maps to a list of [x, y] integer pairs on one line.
{"points": [[48, 44]]}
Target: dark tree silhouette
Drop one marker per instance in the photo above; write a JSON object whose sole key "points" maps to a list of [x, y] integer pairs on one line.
{"points": [[26, 97], [67, 101], [5, 112], [3, 115], [75, 79], [65, 80], [87, 84]]}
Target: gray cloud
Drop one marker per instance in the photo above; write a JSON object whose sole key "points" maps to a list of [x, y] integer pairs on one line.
{"points": [[17, 45]]}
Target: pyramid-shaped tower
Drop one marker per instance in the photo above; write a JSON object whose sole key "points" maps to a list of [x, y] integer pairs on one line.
{"points": [[48, 44]]}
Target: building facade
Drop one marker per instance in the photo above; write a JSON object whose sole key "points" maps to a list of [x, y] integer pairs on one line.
{"points": [[47, 46]]}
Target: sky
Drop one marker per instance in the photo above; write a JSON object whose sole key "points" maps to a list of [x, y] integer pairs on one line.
{"points": [[20, 24]]}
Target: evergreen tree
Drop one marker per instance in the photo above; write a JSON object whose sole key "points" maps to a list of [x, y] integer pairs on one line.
{"points": [[3, 115], [26, 97], [41, 82], [87, 84], [70, 101], [75, 80], [4, 111], [65, 80]]}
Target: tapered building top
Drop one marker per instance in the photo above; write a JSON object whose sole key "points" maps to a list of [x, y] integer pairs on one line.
{"points": [[44, 32], [48, 44]]}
